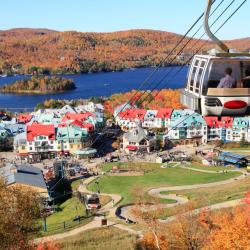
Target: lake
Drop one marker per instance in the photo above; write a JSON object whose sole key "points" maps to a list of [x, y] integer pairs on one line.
{"points": [[97, 84]]}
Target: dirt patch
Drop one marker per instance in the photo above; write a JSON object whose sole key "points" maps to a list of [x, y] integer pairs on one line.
{"points": [[128, 173]]}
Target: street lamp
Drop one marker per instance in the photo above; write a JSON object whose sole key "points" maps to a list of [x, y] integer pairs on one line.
{"points": [[98, 187]]}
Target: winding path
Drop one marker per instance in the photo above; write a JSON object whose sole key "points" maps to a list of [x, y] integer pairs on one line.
{"points": [[126, 211]]}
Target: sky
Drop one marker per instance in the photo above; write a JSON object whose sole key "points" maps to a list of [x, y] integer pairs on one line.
{"points": [[114, 15]]}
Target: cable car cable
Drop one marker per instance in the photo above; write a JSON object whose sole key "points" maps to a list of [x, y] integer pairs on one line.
{"points": [[183, 66], [159, 66], [189, 40], [169, 54], [205, 42], [200, 48], [164, 77]]}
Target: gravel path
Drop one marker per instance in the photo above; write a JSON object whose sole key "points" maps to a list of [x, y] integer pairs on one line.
{"points": [[127, 211], [111, 207]]}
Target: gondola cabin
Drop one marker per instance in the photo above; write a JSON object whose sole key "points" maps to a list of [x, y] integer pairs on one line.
{"points": [[202, 94]]}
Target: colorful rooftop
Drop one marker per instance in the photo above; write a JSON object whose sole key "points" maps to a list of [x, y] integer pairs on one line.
{"points": [[36, 129]]}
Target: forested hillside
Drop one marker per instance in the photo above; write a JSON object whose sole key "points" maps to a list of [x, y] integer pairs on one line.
{"points": [[39, 85], [46, 51]]}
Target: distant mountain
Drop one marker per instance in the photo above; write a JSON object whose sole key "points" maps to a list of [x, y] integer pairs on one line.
{"points": [[25, 50]]}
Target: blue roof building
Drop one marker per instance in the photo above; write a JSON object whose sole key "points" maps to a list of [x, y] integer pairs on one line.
{"points": [[228, 158]]}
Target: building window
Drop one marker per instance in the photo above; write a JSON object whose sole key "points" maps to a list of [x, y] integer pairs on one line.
{"points": [[30, 148]]}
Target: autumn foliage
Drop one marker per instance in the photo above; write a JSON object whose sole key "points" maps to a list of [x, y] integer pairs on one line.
{"points": [[166, 98], [19, 211], [224, 229], [26, 50], [41, 84], [48, 246]]}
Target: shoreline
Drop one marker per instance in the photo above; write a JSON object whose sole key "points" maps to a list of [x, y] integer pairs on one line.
{"points": [[90, 72], [36, 92]]}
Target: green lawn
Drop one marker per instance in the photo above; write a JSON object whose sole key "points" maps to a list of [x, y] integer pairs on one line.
{"points": [[67, 213], [155, 177], [107, 238], [76, 184]]}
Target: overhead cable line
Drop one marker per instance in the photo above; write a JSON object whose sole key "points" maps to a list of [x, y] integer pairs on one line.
{"points": [[182, 49], [157, 68], [205, 42], [232, 14]]}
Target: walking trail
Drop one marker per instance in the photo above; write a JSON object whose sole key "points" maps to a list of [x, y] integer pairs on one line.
{"points": [[126, 211]]}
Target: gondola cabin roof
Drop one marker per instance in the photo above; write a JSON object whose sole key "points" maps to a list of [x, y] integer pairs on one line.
{"points": [[225, 56]]}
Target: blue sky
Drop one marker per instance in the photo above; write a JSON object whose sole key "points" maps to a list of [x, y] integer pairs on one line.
{"points": [[113, 15]]}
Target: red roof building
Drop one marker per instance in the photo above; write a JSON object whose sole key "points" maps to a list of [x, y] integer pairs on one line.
{"points": [[226, 122], [223, 122], [89, 126], [133, 114], [80, 117], [212, 121], [24, 118], [164, 113], [35, 130]]}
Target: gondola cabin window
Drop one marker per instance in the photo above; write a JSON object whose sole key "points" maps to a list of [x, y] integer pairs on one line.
{"points": [[216, 71], [196, 76], [193, 74]]}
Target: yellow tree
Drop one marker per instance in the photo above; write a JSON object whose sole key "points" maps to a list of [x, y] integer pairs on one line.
{"points": [[230, 229], [19, 210]]}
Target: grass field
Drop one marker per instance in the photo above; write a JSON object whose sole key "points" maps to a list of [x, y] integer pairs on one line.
{"points": [[104, 238], [154, 177], [66, 217], [211, 168]]}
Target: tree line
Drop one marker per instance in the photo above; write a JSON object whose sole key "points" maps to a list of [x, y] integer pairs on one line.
{"points": [[25, 50], [39, 84]]}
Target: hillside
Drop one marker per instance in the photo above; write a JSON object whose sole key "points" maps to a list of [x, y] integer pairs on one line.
{"points": [[29, 50]]}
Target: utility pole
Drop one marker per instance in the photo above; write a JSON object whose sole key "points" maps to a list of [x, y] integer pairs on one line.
{"points": [[98, 187]]}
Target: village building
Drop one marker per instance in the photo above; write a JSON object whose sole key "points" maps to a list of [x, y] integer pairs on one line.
{"points": [[122, 107], [219, 128], [228, 158], [190, 128], [21, 146], [163, 118], [69, 139], [240, 129], [24, 118], [25, 176], [129, 118], [41, 141], [150, 119], [139, 139]]}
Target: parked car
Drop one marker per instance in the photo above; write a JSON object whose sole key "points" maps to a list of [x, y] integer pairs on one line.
{"points": [[112, 159]]}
